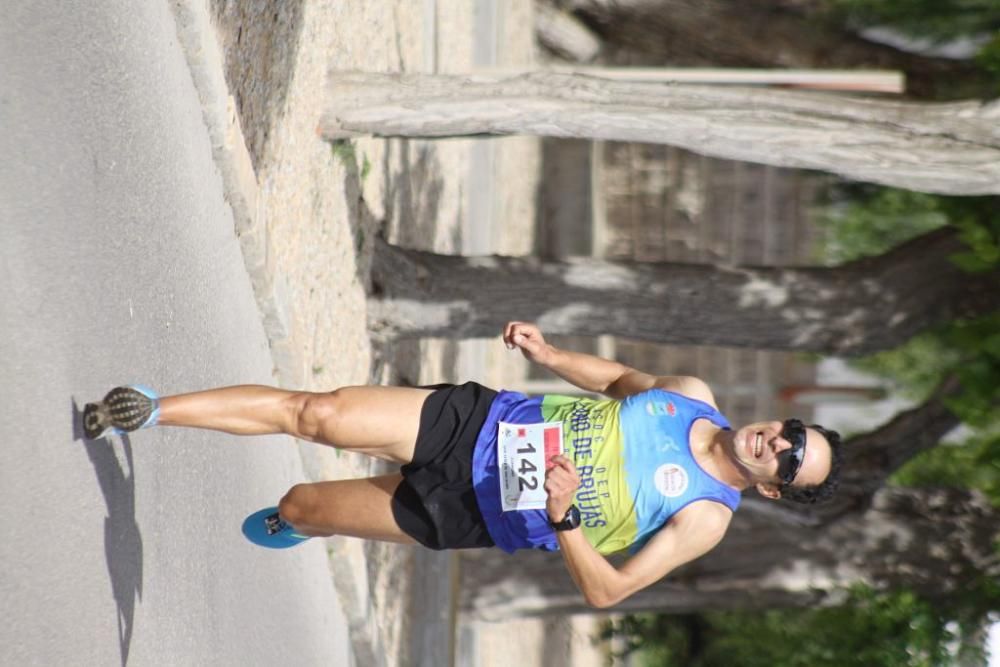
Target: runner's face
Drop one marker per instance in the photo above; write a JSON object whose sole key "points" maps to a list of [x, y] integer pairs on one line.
{"points": [[767, 450]]}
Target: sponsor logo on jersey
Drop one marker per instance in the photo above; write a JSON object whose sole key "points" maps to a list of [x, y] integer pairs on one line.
{"points": [[667, 444], [671, 480], [661, 408]]}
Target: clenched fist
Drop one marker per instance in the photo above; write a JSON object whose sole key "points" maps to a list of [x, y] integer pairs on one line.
{"points": [[528, 337], [561, 483]]}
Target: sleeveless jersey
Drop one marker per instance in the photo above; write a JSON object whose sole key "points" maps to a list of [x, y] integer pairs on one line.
{"points": [[634, 461]]}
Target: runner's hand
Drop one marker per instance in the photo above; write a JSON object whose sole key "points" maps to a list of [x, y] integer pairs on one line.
{"points": [[528, 337], [561, 483]]}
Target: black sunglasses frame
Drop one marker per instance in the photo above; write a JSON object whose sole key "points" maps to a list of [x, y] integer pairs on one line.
{"points": [[794, 431]]}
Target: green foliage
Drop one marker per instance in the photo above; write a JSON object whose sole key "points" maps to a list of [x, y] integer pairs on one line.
{"points": [[988, 57], [872, 629], [660, 639], [938, 20], [982, 236], [866, 220], [366, 168], [978, 343], [915, 368], [975, 463], [970, 350], [344, 151]]}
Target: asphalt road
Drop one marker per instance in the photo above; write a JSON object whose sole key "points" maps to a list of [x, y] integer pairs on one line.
{"points": [[118, 263]]}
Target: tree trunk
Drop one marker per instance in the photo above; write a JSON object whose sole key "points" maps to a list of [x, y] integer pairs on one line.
{"points": [[858, 308], [783, 554], [876, 455], [947, 149], [756, 33], [935, 541]]}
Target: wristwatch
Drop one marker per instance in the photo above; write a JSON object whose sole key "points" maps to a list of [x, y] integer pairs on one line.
{"points": [[569, 522]]}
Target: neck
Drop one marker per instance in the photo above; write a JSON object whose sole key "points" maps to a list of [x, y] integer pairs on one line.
{"points": [[714, 450]]}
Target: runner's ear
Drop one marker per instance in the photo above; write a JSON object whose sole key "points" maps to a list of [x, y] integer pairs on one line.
{"points": [[768, 490]]}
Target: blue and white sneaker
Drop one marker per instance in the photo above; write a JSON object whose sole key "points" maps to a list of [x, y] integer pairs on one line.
{"points": [[266, 528], [122, 410]]}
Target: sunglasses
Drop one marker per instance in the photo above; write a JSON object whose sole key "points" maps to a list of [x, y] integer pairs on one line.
{"points": [[790, 460]]}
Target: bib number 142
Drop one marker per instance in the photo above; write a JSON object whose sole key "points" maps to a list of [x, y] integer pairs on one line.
{"points": [[524, 450]]}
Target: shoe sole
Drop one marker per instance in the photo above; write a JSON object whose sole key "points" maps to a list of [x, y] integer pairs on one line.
{"points": [[122, 410], [256, 528]]}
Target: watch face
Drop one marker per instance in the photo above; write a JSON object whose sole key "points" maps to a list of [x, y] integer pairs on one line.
{"points": [[570, 521], [573, 516]]}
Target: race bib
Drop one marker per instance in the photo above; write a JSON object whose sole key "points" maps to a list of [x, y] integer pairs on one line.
{"points": [[523, 454]]}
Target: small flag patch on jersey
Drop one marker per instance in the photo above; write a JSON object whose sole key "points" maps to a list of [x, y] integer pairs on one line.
{"points": [[553, 442]]}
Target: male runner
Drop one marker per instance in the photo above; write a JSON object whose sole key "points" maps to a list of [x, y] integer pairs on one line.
{"points": [[654, 470]]}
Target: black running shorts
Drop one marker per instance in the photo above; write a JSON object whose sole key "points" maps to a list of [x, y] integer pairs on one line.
{"points": [[435, 504]]}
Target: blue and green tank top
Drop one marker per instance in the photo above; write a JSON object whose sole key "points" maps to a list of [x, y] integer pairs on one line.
{"points": [[634, 461]]}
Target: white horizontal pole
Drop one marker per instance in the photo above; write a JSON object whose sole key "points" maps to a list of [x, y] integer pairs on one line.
{"points": [[877, 81]]}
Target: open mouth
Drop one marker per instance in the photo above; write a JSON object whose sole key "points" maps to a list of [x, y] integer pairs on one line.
{"points": [[758, 445]]}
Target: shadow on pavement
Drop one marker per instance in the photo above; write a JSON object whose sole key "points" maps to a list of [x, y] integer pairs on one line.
{"points": [[122, 539]]}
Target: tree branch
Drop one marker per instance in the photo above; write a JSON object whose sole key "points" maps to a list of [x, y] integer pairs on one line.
{"points": [[948, 149], [858, 308]]}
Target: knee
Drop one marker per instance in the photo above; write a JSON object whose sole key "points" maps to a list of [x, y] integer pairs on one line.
{"points": [[297, 505], [314, 416]]}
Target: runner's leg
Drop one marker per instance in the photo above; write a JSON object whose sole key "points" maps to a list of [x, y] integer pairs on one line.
{"points": [[374, 420], [354, 508]]}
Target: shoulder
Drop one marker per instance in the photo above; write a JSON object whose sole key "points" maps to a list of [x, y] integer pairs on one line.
{"points": [[687, 385], [706, 516], [689, 534]]}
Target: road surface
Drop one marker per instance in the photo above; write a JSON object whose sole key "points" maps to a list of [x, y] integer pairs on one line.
{"points": [[118, 264]]}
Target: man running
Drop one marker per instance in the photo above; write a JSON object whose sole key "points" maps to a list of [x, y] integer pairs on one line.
{"points": [[654, 470]]}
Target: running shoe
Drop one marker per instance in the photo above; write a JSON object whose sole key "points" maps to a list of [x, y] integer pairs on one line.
{"points": [[122, 410], [266, 528]]}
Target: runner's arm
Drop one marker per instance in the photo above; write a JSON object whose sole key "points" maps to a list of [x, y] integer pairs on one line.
{"points": [[592, 373], [604, 585], [689, 534]]}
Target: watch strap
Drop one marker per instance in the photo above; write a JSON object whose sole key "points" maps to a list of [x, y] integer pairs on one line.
{"points": [[569, 522]]}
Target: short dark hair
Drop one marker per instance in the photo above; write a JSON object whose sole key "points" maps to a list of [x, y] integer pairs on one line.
{"points": [[824, 491]]}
